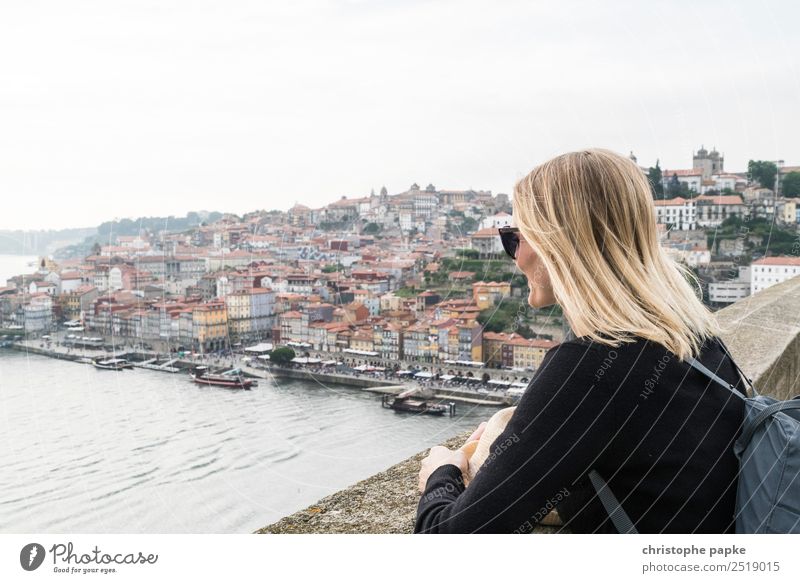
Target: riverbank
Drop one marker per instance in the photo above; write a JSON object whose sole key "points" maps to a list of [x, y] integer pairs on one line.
{"points": [[160, 363]]}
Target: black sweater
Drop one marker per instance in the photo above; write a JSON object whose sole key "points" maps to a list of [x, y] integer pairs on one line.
{"points": [[657, 430]]}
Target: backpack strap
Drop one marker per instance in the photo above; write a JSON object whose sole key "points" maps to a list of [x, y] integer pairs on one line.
{"points": [[765, 414], [736, 366], [621, 520], [696, 364]]}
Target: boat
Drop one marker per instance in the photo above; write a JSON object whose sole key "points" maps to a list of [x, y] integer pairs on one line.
{"points": [[111, 363], [417, 405], [230, 379]]}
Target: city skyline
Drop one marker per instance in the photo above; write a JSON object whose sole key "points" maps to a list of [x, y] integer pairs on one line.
{"points": [[108, 113]]}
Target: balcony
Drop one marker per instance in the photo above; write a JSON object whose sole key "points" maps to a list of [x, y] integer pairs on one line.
{"points": [[762, 331]]}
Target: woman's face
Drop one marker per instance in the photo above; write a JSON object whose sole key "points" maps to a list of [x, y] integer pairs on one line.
{"points": [[529, 263]]}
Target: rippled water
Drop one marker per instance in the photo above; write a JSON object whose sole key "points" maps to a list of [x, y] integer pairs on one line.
{"points": [[137, 451]]}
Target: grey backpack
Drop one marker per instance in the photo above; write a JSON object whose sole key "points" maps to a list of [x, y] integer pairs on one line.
{"points": [[768, 450]]}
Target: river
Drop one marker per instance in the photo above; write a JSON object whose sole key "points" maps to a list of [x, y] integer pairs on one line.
{"points": [[11, 265], [92, 451]]}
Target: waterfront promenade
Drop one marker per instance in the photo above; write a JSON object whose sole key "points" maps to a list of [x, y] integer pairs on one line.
{"points": [[380, 383]]}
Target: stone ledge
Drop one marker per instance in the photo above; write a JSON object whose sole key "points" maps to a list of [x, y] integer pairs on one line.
{"points": [[763, 334], [385, 503]]}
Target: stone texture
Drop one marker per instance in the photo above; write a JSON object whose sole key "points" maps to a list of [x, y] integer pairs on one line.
{"points": [[763, 334], [385, 503]]}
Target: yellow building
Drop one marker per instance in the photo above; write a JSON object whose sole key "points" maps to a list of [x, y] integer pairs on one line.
{"points": [[528, 353], [210, 326], [363, 340], [497, 352], [239, 311], [488, 293], [790, 212]]}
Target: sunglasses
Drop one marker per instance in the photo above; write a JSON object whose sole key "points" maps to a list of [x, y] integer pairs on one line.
{"points": [[509, 236]]}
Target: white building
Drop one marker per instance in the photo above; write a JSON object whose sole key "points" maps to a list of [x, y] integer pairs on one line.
{"points": [[677, 213], [486, 242], [713, 210], [100, 279], [115, 278], [787, 210], [697, 256], [727, 181], [38, 313], [70, 282], [769, 271], [496, 221], [691, 255], [730, 291]]}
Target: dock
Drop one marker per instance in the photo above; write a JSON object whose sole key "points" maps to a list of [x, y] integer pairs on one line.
{"points": [[173, 365]]}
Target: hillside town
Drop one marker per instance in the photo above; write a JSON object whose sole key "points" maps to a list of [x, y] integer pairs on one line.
{"points": [[418, 276]]}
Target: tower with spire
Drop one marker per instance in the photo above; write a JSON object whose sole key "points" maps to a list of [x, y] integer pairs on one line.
{"points": [[709, 162]]}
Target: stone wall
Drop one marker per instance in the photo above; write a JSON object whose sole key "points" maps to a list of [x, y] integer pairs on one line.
{"points": [[385, 503], [763, 334]]}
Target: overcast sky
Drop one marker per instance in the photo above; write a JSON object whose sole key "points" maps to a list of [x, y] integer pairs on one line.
{"points": [[125, 109]]}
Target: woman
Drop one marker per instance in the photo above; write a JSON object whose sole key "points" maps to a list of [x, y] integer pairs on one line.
{"points": [[616, 396]]}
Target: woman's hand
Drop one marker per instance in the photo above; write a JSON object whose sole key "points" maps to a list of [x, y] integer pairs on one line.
{"points": [[440, 456]]}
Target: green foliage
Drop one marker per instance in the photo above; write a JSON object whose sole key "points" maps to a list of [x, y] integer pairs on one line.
{"points": [[775, 239], [763, 172], [372, 228], [469, 225], [654, 176], [790, 186], [332, 268], [507, 316], [485, 269], [154, 224], [467, 253], [676, 188], [282, 355], [333, 225], [405, 292]]}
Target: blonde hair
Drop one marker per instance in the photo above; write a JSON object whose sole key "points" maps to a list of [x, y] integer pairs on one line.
{"points": [[590, 217]]}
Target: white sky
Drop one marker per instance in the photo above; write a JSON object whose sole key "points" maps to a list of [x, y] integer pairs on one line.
{"points": [[133, 108]]}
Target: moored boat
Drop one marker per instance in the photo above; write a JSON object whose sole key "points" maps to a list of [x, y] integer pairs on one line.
{"points": [[202, 376], [417, 405], [111, 363]]}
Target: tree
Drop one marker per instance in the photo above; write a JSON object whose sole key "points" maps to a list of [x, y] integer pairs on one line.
{"points": [[676, 187], [468, 253], [96, 248], [372, 228], [508, 316], [469, 225], [763, 172], [654, 176], [790, 186], [281, 356]]}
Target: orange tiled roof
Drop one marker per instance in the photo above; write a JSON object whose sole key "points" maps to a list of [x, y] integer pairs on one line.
{"points": [[780, 260]]}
